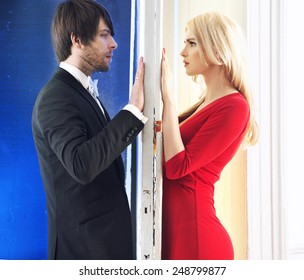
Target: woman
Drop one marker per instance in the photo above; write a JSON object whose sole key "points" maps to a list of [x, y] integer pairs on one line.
{"points": [[200, 142]]}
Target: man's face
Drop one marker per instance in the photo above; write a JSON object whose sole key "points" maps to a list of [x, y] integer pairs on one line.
{"points": [[98, 54]]}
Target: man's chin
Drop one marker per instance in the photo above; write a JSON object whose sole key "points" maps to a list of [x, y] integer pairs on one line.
{"points": [[103, 69]]}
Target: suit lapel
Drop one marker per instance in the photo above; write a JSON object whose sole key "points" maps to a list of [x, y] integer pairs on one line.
{"points": [[70, 79], [105, 111]]}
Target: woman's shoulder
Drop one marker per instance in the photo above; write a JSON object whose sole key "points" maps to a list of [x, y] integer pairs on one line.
{"points": [[233, 100], [233, 106]]}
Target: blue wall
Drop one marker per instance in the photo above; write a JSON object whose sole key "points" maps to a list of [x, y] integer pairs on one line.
{"points": [[27, 62]]}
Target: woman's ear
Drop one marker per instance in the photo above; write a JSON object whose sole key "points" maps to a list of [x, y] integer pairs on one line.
{"points": [[218, 57]]}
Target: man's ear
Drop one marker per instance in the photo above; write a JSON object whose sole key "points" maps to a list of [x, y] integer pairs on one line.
{"points": [[76, 41]]}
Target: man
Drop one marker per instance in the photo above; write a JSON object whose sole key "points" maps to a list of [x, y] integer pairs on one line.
{"points": [[78, 146]]}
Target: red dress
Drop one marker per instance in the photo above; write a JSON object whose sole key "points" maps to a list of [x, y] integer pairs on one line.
{"points": [[190, 227]]}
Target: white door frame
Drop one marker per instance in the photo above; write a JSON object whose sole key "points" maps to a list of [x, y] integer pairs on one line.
{"points": [[149, 188]]}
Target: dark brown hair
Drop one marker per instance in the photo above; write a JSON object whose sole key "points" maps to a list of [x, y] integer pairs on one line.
{"points": [[80, 17]]}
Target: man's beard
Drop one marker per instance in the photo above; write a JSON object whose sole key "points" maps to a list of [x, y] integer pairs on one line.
{"points": [[92, 63], [102, 68], [97, 67]]}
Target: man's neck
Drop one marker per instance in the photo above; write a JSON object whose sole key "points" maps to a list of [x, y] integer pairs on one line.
{"points": [[76, 63]]}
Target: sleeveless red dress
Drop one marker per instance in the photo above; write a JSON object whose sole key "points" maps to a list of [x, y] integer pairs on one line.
{"points": [[190, 227]]}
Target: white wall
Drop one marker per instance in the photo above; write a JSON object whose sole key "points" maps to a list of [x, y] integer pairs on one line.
{"points": [[275, 185], [293, 136]]}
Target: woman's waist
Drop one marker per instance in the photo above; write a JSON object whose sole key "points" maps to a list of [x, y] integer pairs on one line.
{"points": [[193, 180]]}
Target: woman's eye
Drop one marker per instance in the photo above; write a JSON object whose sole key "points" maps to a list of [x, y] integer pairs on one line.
{"points": [[192, 44]]}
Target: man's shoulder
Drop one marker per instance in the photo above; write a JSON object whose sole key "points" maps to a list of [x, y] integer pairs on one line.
{"points": [[60, 79]]}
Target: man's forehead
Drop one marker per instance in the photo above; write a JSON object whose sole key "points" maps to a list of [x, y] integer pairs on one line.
{"points": [[103, 26]]}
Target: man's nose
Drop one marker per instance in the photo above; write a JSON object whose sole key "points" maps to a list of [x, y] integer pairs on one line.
{"points": [[114, 45]]}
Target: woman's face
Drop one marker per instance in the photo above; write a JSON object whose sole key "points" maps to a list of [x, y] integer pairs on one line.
{"points": [[190, 53]]}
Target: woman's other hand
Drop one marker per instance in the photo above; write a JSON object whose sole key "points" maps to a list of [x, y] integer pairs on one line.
{"points": [[166, 80]]}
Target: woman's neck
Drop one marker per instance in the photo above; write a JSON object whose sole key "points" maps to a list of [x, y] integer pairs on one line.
{"points": [[216, 85]]}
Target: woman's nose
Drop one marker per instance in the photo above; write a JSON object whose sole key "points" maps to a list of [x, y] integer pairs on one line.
{"points": [[183, 52]]}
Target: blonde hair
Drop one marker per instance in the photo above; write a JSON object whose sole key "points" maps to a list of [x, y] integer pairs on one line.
{"points": [[222, 43]]}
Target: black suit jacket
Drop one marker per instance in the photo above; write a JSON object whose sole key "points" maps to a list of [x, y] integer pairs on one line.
{"points": [[82, 171]]}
